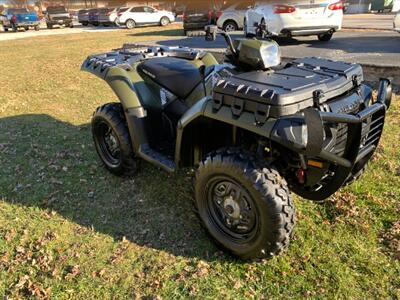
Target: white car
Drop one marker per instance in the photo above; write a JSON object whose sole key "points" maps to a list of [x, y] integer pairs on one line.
{"points": [[231, 17], [296, 18], [396, 22], [140, 15]]}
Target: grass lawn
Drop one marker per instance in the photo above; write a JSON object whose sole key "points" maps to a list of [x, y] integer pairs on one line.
{"points": [[69, 229]]}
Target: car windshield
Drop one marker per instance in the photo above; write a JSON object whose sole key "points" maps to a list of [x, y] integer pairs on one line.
{"points": [[56, 10], [123, 9], [18, 11]]}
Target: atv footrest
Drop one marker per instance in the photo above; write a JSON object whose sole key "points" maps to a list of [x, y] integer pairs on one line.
{"points": [[157, 158]]}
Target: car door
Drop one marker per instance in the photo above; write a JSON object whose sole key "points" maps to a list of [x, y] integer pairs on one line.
{"points": [[138, 14], [151, 15]]}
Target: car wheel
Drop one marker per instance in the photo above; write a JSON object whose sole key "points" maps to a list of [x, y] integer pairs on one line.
{"points": [[230, 26], [130, 24], [37, 28], [245, 206], [26, 28], [164, 21], [325, 37], [84, 23], [112, 141], [49, 26], [5, 29], [71, 25]]}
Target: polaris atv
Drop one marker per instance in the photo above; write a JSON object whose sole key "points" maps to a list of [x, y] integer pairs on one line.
{"points": [[254, 129]]}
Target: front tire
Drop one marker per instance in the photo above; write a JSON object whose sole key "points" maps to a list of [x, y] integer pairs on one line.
{"points": [[130, 24], [112, 141], [245, 206], [230, 26], [325, 37]]}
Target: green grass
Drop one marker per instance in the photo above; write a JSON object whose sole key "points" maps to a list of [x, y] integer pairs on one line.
{"points": [[69, 229]]}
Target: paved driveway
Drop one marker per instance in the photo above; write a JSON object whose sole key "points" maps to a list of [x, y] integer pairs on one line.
{"points": [[381, 48]]}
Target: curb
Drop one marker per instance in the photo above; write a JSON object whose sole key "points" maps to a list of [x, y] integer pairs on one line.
{"points": [[367, 28]]}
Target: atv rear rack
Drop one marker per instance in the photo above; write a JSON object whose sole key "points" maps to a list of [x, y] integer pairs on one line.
{"points": [[130, 54]]}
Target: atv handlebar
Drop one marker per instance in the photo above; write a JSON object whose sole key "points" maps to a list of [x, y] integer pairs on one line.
{"points": [[211, 35]]}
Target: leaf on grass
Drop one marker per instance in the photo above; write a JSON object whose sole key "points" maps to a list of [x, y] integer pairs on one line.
{"points": [[72, 272]]}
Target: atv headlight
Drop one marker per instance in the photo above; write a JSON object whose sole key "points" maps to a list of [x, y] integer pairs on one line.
{"points": [[270, 54]]}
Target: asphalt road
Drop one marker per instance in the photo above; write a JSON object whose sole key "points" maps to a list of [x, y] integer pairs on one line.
{"points": [[380, 48], [370, 47]]}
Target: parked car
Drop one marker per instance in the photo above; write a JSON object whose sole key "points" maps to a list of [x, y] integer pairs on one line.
{"points": [[83, 17], [231, 17], [16, 18], [93, 17], [299, 18], [108, 16], [58, 15], [197, 15], [140, 15], [396, 22]]}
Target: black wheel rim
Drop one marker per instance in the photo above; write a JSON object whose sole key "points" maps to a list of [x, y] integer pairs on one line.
{"points": [[230, 27], [108, 144], [231, 209]]}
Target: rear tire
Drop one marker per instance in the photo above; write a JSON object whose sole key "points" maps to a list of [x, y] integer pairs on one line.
{"points": [[230, 26], [130, 24], [112, 141], [325, 37], [246, 206], [164, 21]]}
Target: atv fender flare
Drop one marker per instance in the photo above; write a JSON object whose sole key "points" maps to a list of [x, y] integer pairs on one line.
{"points": [[118, 79]]}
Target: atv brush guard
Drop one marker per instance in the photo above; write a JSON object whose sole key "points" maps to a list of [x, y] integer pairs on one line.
{"points": [[364, 130]]}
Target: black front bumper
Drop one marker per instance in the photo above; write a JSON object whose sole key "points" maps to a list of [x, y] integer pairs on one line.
{"points": [[360, 139]]}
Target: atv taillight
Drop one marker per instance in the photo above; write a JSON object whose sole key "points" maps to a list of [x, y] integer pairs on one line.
{"points": [[336, 6], [284, 9]]}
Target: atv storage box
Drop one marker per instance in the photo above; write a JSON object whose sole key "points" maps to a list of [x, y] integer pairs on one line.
{"points": [[307, 82]]}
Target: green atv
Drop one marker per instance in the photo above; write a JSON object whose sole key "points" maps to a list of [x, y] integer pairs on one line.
{"points": [[254, 129]]}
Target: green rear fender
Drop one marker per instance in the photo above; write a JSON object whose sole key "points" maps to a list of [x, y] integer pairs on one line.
{"points": [[121, 83]]}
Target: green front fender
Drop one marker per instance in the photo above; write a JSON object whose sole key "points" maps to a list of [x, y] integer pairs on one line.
{"points": [[203, 109]]}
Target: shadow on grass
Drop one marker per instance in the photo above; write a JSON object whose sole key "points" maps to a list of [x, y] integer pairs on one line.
{"points": [[52, 165]]}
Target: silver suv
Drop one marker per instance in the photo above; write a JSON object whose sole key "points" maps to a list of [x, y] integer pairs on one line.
{"points": [[231, 17]]}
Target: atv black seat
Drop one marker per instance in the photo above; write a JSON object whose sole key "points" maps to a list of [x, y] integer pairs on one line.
{"points": [[178, 76]]}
